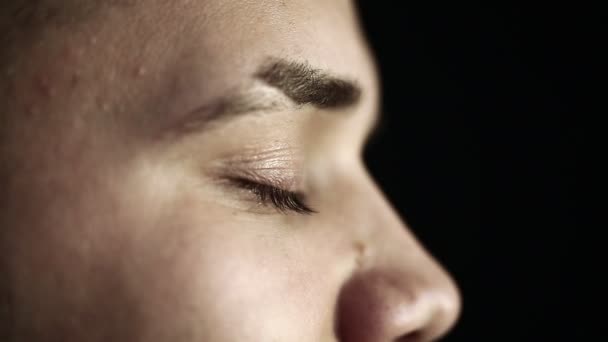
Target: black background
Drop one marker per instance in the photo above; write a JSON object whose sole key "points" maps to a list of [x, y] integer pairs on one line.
{"points": [[477, 153]]}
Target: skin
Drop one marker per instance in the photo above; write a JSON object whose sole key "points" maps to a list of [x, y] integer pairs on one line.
{"points": [[115, 230]]}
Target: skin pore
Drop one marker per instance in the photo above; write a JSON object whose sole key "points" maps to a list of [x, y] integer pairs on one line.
{"points": [[191, 170]]}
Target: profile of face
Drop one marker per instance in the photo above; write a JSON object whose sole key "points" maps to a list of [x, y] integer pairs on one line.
{"points": [[191, 170]]}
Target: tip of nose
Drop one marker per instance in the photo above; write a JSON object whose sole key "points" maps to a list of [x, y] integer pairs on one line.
{"points": [[378, 310], [447, 306], [431, 316]]}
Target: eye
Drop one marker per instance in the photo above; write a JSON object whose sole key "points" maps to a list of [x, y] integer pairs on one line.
{"points": [[269, 195]]}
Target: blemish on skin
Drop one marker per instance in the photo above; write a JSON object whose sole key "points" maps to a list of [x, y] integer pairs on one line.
{"points": [[70, 52], [93, 40], [74, 80], [44, 87], [32, 110], [78, 52], [141, 71], [361, 251]]}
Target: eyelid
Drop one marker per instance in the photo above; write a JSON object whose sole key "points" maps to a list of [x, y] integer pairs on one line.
{"points": [[280, 166], [270, 195], [273, 177]]}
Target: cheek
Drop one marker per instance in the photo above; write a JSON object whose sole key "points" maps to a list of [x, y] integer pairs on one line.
{"points": [[156, 261], [221, 273]]}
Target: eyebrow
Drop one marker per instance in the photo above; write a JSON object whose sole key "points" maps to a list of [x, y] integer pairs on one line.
{"points": [[307, 85], [298, 82]]}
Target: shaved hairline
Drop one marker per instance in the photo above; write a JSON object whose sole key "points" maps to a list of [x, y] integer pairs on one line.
{"points": [[21, 21], [36, 14], [24, 22]]}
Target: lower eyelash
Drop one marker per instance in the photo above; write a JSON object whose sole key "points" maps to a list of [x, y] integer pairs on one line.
{"points": [[283, 200]]}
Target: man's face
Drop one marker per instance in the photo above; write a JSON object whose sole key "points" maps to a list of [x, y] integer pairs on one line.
{"points": [[191, 171]]}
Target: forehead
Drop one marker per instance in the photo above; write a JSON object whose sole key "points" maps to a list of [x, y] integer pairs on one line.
{"points": [[88, 65], [97, 52], [324, 32]]}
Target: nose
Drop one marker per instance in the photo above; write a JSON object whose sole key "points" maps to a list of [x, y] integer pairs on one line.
{"points": [[397, 291], [377, 306]]}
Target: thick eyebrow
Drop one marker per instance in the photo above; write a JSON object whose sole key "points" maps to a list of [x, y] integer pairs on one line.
{"points": [[307, 85], [287, 85]]}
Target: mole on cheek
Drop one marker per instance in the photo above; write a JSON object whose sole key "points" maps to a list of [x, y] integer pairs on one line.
{"points": [[43, 86]]}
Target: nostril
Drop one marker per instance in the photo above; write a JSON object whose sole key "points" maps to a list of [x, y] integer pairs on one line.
{"points": [[411, 337]]}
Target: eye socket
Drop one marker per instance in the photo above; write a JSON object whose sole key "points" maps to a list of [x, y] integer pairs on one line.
{"points": [[269, 195]]}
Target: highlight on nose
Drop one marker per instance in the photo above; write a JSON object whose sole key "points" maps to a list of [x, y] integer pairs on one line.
{"points": [[382, 306]]}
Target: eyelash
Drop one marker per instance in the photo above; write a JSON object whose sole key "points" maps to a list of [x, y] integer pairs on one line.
{"points": [[281, 199]]}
